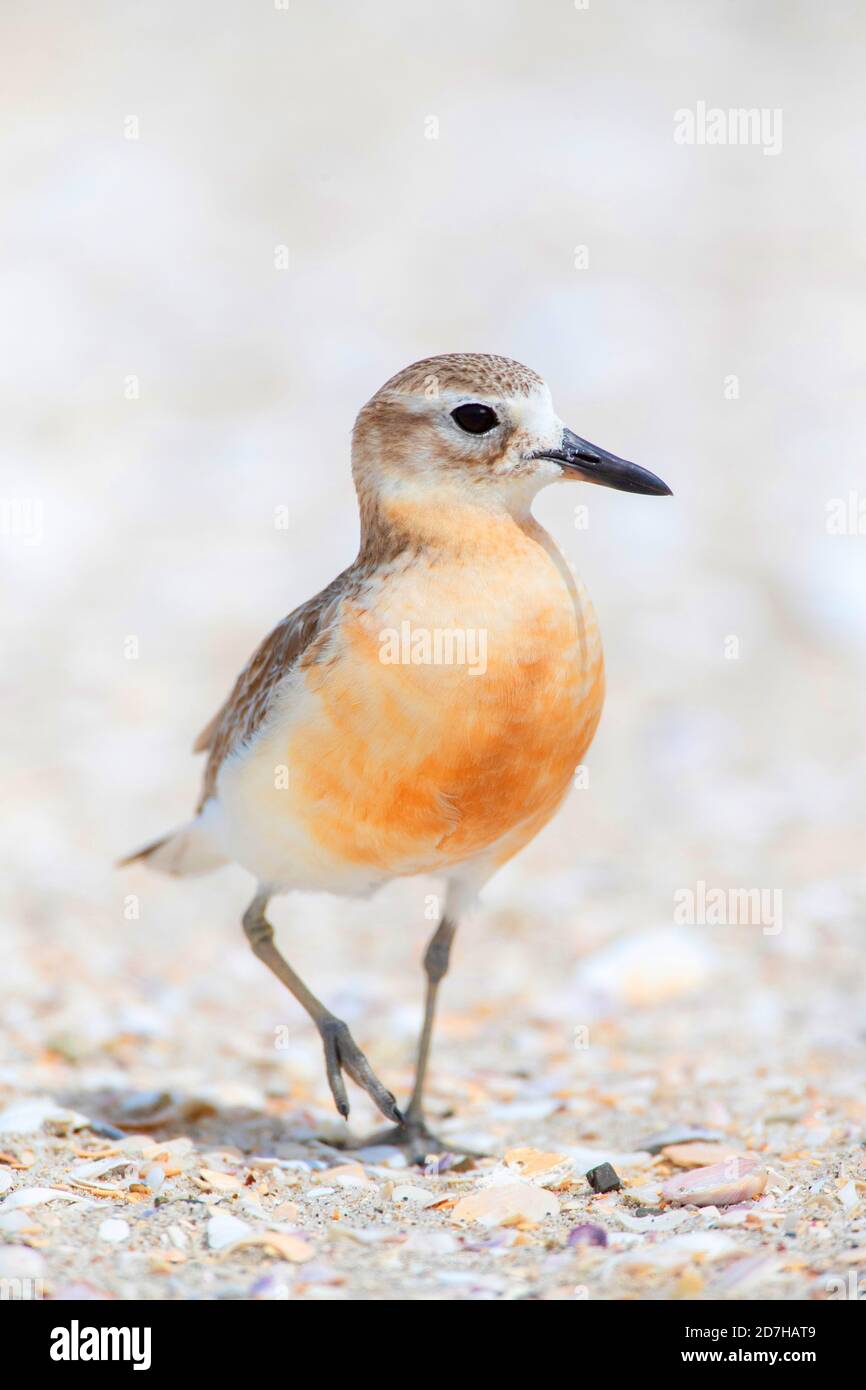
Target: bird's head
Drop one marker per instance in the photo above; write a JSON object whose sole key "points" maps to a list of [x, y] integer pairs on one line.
{"points": [[474, 428]]}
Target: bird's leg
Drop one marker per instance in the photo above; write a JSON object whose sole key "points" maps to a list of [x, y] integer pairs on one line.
{"points": [[436, 960], [342, 1053], [412, 1133]]}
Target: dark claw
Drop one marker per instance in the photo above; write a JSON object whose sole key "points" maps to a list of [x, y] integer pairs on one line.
{"points": [[343, 1054]]}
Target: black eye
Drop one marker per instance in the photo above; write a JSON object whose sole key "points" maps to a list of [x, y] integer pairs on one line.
{"points": [[475, 419]]}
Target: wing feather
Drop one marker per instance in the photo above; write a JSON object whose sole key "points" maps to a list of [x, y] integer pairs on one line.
{"points": [[298, 639], [205, 738]]}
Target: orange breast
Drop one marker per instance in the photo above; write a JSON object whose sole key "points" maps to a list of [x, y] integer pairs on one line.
{"points": [[413, 764]]}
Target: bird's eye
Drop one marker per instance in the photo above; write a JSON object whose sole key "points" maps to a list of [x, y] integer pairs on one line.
{"points": [[475, 419]]}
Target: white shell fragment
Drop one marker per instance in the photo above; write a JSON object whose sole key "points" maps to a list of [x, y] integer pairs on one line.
{"points": [[29, 1115], [224, 1230], [114, 1229], [506, 1205], [37, 1197], [415, 1196]]}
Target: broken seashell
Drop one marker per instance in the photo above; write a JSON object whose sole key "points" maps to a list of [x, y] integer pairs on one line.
{"points": [[718, 1185], [537, 1165], [290, 1247], [506, 1205], [408, 1195], [224, 1230]]}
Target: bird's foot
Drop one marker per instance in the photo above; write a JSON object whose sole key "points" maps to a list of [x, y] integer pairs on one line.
{"points": [[415, 1140], [342, 1054]]}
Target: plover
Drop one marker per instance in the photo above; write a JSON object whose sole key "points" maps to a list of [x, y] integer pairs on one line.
{"points": [[425, 713]]}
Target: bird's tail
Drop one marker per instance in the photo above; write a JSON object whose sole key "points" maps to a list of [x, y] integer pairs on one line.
{"points": [[191, 849]]}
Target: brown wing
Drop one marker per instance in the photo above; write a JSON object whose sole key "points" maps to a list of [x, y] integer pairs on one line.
{"points": [[205, 738], [294, 640]]}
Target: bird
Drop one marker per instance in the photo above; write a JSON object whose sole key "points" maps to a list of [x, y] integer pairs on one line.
{"points": [[426, 712]]}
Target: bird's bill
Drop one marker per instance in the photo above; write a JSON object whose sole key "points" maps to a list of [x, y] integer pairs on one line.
{"points": [[578, 458]]}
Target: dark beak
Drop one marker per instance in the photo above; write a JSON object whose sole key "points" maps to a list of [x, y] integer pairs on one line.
{"points": [[587, 461]]}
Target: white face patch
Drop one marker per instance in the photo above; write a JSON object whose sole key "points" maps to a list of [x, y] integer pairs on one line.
{"points": [[537, 423], [531, 415], [529, 423]]}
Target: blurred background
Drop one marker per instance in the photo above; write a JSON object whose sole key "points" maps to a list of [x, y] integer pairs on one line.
{"points": [[225, 225]]}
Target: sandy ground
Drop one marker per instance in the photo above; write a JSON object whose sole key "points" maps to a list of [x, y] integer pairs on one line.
{"points": [[226, 228], [551, 1061]]}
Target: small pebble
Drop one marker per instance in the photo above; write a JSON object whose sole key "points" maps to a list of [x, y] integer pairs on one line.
{"points": [[587, 1234], [604, 1178]]}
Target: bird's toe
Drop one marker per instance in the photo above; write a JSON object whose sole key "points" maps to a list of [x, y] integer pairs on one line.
{"points": [[342, 1054]]}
